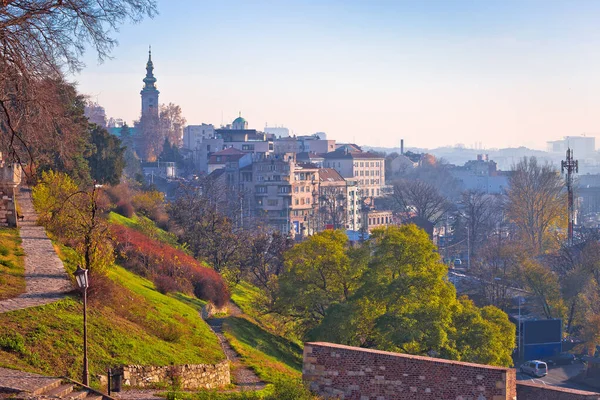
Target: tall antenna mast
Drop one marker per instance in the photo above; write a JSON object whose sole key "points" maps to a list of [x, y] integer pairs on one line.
{"points": [[571, 166]]}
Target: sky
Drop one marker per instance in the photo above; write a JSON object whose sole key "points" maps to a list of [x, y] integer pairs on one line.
{"points": [[434, 73]]}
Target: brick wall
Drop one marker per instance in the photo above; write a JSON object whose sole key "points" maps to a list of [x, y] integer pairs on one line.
{"points": [[189, 377], [534, 391], [353, 373]]}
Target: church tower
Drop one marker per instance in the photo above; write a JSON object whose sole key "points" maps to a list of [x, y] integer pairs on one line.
{"points": [[149, 91]]}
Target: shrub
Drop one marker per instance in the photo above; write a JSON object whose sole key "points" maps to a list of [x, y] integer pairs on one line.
{"points": [[152, 258], [4, 251], [165, 284]]}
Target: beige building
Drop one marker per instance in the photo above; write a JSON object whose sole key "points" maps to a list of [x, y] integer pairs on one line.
{"points": [[367, 169]]}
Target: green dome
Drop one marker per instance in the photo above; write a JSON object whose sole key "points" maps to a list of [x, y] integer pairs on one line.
{"points": [[239, 120]]}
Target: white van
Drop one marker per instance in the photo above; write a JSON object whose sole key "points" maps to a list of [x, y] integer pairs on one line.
{"points": [[535, 368]]}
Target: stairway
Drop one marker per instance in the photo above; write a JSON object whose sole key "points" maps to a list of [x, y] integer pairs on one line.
{"points": [[22, 385]]}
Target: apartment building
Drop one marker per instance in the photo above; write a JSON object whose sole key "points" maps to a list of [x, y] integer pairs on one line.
{"points": [[285, 192], [368, 169]]}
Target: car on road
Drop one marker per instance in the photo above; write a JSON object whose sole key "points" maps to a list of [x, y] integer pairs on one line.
{"points": [[457, 262], [534, 367], [561, 359]]}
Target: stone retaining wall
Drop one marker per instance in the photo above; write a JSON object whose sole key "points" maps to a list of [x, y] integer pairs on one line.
{"points": [[188, 377], [535, 391]]}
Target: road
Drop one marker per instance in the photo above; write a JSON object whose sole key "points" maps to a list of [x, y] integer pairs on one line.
{"points": [[558, 376]]}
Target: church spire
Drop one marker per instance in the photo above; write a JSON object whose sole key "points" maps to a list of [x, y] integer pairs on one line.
{"points": [[149, 80]]}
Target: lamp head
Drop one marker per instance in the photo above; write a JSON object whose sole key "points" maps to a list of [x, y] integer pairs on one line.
{"points": [[81, 276]]}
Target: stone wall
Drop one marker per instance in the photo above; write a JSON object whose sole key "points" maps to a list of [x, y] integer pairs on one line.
{"points": [[353, 373], [189, 377], [534, 391]]}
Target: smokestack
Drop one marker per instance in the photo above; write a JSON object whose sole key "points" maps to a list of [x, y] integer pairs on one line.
{"points": [[401, 146]]}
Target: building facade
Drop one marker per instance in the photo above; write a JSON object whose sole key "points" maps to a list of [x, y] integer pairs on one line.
{"points": [[367, 169]]}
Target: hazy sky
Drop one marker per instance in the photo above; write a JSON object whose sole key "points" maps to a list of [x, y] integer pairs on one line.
{"points": [[504, 73]]}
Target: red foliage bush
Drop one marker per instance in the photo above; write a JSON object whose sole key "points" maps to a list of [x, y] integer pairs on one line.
{"points": [[166, 284], [152, 258]]}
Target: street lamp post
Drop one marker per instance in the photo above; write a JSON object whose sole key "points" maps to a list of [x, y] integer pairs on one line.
{"points": [[81, 275]]}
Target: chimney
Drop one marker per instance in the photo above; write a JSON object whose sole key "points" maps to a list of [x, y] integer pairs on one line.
{"points": [[401, 146]]}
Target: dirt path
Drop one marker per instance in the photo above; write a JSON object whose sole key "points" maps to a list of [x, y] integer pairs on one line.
{"points": [[45, 276], [243, 377]]}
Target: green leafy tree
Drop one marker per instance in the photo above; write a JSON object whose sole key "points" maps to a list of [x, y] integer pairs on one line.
{"points": [[133, 165], [403, 302], [318, 274], [106, 160], [74, 216]]}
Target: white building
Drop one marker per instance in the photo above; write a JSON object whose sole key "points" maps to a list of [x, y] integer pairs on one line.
{"points": [[368, 169], [193, 135], [583, 146], [278, 131]]}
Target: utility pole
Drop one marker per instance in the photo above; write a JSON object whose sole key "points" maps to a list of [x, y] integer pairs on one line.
{"points": [[570, 166]]}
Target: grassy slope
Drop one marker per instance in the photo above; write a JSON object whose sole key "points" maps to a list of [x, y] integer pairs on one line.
{"points": [[146, 226], [271, 356], [12, 264], [48, 339]]}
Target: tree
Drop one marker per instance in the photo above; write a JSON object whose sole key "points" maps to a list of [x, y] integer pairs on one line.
{"points": [[404, 303], [545, 287], [171, 122], [332, 208], [481, 214], [265, 259], [40, 40], [133, 165], [536, 204], [210, 234], [420, 199], [318, 274], [74, 216], [106, 160]]}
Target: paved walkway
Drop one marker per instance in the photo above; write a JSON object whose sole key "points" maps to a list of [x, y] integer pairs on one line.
{"points": [[12, 380], [45, 276]]}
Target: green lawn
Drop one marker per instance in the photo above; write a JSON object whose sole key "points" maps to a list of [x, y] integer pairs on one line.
{"points": [[12, 264], [134, 325]]}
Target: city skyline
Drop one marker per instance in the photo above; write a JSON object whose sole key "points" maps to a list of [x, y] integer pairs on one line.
{"points": [[434, 73]]}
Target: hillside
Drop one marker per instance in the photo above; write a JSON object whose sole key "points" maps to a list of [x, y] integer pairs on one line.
{"points": [[138, 326]]}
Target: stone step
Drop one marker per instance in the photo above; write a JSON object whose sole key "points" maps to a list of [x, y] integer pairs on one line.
{"points": [[60, 391], [78, 395], [93, 396], [52, 384]]}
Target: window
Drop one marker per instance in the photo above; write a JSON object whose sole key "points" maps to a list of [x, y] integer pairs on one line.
{"points": [[302, 189], [302, 201], [296, 201], [308, 200], [272, 202], [362, 164], [377, 173], [218, 158], [377, 192], [295, 189], [362, 173], [208, 147], [247, 147], [295, 213], [302, 176], [355, 173], [372, 192], [261, 189]]}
